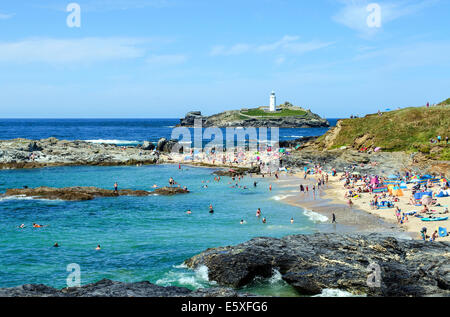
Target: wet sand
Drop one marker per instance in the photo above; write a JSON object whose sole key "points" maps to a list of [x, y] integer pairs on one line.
{"points": [[348, 219]]}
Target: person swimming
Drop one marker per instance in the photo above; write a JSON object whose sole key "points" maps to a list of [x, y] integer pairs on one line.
{"points": [[98, 247], [21, 226], [242, 221], [189, 212], [35, 225], [264, 220], [211, 210], [56, 245]]}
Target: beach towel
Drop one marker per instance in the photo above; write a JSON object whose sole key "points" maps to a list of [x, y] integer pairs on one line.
{"points": [[419, 196], [442, 232], [380, 190]]}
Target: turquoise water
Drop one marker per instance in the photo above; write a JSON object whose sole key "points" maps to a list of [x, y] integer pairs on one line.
{"points": [[142, 238]]}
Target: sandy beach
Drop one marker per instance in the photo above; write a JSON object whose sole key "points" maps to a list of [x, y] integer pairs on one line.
{"points": [[331, 199], [361, 217]]}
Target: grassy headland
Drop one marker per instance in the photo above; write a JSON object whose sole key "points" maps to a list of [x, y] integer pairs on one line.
{"points": [[408, 130], [284, 110]]}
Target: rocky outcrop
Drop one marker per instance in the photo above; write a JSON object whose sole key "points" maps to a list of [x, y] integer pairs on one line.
{"points": [[236, 118], [108, 288], [170, 191], [87, 193], [312, 263], [23, 153], [297, 142], [189, 119], [169, 146]]}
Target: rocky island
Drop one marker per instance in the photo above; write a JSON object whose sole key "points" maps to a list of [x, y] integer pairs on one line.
{"points": [[286, 116]]}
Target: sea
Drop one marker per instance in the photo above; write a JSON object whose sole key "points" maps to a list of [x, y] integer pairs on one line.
{"points": [[141, 238]]}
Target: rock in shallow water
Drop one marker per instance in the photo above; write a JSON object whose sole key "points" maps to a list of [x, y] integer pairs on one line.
{"points": [[312, 263], [87, 193], [108, 288]]}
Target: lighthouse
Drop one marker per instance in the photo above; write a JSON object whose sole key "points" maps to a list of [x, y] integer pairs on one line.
{"points": [[273, 102]]}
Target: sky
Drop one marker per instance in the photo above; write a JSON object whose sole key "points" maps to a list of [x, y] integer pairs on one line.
{"points": [[163, 58]]}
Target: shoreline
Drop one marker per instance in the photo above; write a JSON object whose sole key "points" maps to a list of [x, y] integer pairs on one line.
{"points": [[362, 217], [349, 220]]}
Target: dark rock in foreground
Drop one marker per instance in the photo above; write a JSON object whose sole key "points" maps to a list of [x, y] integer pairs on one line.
{"points": [[108, 288], [312, 263], [87, 193]]}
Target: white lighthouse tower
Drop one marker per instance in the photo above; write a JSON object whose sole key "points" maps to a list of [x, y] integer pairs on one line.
{"points": [[273, 102]]}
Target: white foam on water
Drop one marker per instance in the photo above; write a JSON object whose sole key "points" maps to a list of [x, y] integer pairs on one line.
{"points": [[280, 197], [328, 292], [276, 277], [181, 266], [196, 279], [101, 141], [314, 216]]}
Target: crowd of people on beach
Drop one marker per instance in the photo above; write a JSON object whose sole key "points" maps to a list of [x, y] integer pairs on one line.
{"points": [[388, 192]]}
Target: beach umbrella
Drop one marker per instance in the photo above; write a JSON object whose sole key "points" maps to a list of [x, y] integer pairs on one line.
{"points": [[415, 180]]}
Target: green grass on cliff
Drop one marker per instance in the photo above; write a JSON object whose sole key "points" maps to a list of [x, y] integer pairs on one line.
{"points": [[282, 113], [408, 129]]}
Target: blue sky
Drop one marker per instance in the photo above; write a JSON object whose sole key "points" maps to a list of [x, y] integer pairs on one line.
{"points": [[163, 58]]}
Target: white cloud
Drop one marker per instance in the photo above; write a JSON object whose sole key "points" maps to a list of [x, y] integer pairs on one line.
{"points": [[4, 16], [164, 60], [354, 13], [61, 51], [288, 44], [280, 60]]}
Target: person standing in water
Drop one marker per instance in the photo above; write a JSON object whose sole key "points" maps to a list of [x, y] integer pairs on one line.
{"points": [[292, 220], [334, 219], [116, 187], [258, 213], [211, 210]]}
